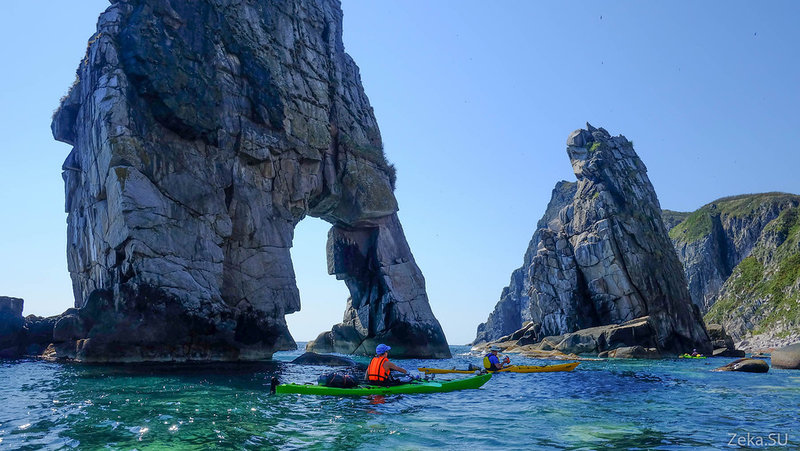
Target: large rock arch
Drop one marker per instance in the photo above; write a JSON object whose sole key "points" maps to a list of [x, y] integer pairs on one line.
{"points": [[202, 133]]}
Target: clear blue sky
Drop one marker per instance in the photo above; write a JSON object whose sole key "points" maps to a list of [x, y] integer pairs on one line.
{"points": [[475, 101]]}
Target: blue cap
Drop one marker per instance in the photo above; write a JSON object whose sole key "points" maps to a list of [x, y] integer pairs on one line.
{"points": [[382, 348]]}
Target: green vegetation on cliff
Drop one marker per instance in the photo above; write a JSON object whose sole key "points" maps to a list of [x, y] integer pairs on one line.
{"points": [[784, 284], [766, 285], [699, 223], [744, 281]]}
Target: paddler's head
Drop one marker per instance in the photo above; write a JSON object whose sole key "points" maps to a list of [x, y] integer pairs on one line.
{"points": [[382, 349]]}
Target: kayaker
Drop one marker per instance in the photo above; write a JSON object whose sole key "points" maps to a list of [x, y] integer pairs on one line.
{"points": [[695, 353], [492, 363], [380, 368]]}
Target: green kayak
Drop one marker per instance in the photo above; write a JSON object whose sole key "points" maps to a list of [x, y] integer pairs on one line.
{"points": [[364, 390]]}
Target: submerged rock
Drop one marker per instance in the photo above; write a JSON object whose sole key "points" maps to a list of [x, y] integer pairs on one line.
{"points": [[787, 357], [203, 132], [312, 358], [746, 366]]}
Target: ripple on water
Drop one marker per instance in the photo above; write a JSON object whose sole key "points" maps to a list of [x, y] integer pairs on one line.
{"points": [[625, 404]]}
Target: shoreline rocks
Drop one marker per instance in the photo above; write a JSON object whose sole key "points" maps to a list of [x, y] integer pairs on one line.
{"points": [[12, 326], [616, 340], [721, 342], [722, 352], [22, 337], [632, 352], [767, 341]]}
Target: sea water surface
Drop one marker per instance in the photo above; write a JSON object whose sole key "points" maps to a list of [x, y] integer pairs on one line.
{"points": [[610, 404]]}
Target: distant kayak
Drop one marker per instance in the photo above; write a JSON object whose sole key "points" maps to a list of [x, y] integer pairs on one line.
{"points": [[511, 369], [365, 390], [689, 356]]}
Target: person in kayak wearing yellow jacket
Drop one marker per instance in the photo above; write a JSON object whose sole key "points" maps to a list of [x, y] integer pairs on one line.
{"points": [[380, 368], [492, 363]]}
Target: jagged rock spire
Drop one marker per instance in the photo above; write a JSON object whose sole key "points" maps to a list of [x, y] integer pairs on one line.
{"points": [[608, 259]]}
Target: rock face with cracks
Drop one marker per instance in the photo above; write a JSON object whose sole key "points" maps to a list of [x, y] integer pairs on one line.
{"points": [[606, 259], [741, 256], [202, 133], [713, 240], [514, 308]]}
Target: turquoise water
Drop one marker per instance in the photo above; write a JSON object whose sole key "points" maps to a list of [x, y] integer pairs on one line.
{"points": [[637, 404]]}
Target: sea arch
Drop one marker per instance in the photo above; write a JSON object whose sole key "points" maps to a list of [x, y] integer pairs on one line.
{"points": [[196, 151]]}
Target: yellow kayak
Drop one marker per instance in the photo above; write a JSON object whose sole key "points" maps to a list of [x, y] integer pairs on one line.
{"points": [[511, 369]]}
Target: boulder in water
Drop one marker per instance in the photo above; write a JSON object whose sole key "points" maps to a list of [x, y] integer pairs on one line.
{"points": [[634, 352], [746, 366], [312, 358], [787, 357]]}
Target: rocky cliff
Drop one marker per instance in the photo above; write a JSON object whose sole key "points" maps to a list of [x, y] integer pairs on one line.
{"points": [[740, 256], [514, 309], [713, 240], [202, 133], [607, 260], [672, 218]]}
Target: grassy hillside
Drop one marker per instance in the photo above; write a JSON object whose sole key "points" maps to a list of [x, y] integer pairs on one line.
{"points": [[765, 287], [698, 224]]}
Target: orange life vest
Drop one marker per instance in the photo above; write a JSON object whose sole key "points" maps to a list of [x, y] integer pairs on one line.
{"points": [[376, 372]]}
